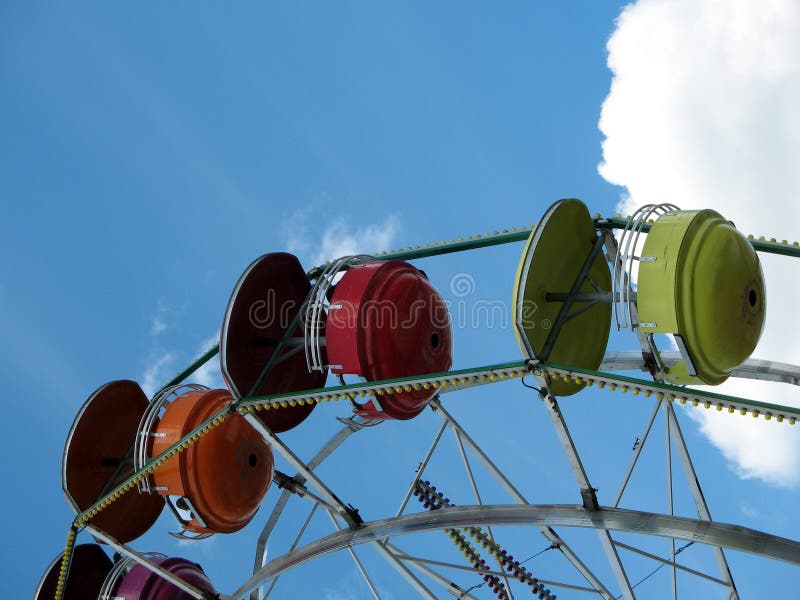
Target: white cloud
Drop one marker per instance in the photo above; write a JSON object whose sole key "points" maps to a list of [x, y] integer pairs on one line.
{"points": [[158, 325], [754, 448], [160, 367], [209, 374], [156, 373], [749, 511], [338, 238], [161, 320], [702, 112]]}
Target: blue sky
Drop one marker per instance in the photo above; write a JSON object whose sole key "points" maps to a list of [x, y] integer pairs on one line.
{"points": [[150, 153]]}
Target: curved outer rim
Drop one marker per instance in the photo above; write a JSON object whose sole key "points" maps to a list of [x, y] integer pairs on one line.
{"points": [[733, 537]]}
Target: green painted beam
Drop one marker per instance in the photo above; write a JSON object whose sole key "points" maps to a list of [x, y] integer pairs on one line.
{"points": [[438, 248], [302, 395], [655, 386], [199, 362]]}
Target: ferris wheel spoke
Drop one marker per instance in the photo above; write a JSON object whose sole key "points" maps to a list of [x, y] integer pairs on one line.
{"points": [[421, 565], [697, 493], [671, 563], [670, 500], [586, 490], [547, 532], [637, 452], [477, 494], [148, 564], [295, 542], [347, 512], [283, 499], [423, 463], [447, 565], [404, 571], [356, 560]]}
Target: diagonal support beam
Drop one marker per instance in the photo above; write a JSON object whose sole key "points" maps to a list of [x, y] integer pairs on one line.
{"points": [[697, 493], [478, 499], [587, 491], [421, 565], [548, 532], [347, 513], [357, 561]]}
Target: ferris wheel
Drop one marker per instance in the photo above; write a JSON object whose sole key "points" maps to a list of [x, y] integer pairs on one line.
{"points": [[684, 289]]}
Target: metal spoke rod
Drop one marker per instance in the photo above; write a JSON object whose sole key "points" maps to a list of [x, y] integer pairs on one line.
{"points": [[670, 500], [447, 381], [147, 564], [586, 490], [759, 245], [356, 560], [347, 513], [293, 545], [438, 563], [478, 499], [697, 493], [521, 235], [421, 468], [670, 562], [420, 564], [637, 452], [401, 568], [436, 249], [283, 499], [548, 532]]}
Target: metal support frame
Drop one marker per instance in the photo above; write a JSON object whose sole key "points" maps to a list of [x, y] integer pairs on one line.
{"points": [[422, 465], [671, 563], [478, 499], [347, 513], [670, 500], [752, 368], [734, 537], [357, 561], [674, 434], [401, 568], [697, 493], [276, 357], [586, 489], [760, 245], [695, 396], [139, 559], [548, 532], [447, 565], [637, 452], [292, 546], [420, 564]]}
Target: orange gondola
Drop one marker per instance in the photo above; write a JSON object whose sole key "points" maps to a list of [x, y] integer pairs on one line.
{"points": [[221, 478]]}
